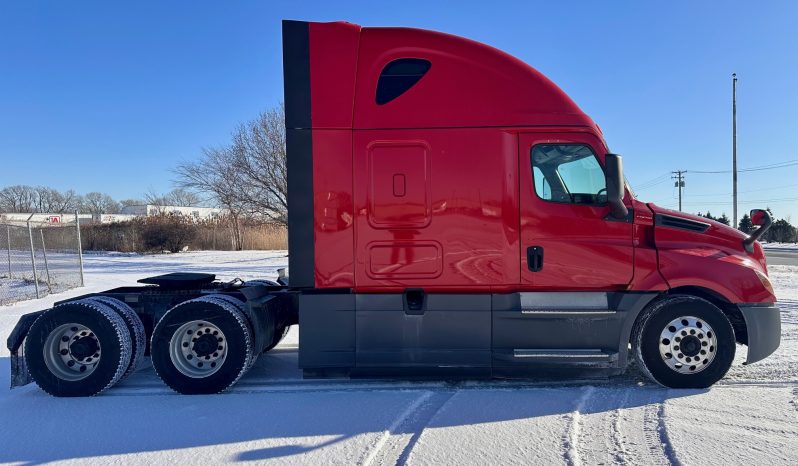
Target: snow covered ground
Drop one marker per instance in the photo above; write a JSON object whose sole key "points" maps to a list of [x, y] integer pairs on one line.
{"points": [[767, 246], [272, 415]]}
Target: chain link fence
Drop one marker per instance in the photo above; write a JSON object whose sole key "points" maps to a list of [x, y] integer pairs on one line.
{"points": [[38, 258]]}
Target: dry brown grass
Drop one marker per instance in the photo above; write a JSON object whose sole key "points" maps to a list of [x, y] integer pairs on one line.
{"points": [[131, 237], [257, 237]]}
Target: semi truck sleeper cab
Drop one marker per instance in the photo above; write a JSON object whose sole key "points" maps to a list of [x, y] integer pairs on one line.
{"points": [[452, 212]]}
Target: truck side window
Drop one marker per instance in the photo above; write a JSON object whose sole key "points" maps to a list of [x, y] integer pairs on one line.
{"points": [[398, 76], [568, 173]]}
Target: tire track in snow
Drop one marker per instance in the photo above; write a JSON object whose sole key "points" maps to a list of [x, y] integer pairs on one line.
{"points": [[620, 453], [394, 427], [425, 415], [571, 440], [794, 400], [402, 436], [664, 439], [600, 436], [660, 448]]}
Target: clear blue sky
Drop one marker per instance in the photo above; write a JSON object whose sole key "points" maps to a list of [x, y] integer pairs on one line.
{"points": [[101, 96]]}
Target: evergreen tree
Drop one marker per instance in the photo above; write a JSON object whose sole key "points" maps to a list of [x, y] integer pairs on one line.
{"points": [[746, 226], [782, 232]]}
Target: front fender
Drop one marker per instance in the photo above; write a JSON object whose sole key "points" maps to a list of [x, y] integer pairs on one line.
{"points": [[732, 276]]}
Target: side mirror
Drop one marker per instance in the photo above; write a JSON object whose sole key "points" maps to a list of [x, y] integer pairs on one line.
{"points": [[760, 218], [613, 166]]}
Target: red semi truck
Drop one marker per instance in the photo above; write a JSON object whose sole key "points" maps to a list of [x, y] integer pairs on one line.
{"points": [[452, 213]]}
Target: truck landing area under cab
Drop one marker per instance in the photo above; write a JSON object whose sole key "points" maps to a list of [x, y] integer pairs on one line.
{"points": [[452, 212]]}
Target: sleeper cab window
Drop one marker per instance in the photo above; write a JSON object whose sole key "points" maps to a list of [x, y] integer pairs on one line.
{"points": [[398, 76], [568, 173]]}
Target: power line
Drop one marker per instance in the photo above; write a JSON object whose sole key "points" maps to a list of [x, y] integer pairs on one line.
{"points": [[664, 177], [773, 166], [647, 187], [747, 201], [746, 191], [652, 182]]}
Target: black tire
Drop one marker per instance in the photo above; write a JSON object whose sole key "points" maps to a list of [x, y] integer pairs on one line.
{"points": [[107, 329], [236, 343], [241, 306], [134, 325], [654, 320], [279, 334]]}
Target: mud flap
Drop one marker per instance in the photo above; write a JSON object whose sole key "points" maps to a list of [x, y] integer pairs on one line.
{"points": [[19, 371]]}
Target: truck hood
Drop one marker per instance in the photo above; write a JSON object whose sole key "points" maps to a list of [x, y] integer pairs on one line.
{"points": [[687, 230], [693, 251], [696, 223]]}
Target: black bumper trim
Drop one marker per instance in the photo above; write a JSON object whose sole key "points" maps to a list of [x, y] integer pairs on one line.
{"points": [[764, 330]]}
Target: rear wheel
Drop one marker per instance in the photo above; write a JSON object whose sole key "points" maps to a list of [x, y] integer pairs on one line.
{"points": [[684, 342], [202, 346], [78, 349], [241, 306], [134, 325]]}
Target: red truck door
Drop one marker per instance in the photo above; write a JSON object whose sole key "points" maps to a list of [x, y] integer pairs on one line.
{"points": [[568, 239]]}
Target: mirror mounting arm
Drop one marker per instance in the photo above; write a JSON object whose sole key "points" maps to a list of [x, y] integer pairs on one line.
{"points": [[764, 221]]}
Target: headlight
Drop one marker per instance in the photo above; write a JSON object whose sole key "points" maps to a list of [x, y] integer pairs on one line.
{"points": [[765, 281]]}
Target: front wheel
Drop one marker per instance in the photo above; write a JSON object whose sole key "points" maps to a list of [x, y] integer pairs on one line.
{"points": [[684, 341]]}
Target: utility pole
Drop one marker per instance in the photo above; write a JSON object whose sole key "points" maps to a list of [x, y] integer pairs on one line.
{"points": [[678, 175], [734, 147]]}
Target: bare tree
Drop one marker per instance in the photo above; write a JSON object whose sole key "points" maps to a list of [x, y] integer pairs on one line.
{"points": [[153, 197], [260, 157], [18, 198], [183, 198], [51, 200], [70, 200], [248, 177], [42, 199], [254, 166], [99, 203], [180, 197], [130, 202], [214, 173]]}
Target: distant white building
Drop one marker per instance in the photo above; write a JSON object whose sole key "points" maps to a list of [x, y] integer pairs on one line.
{"points": [[55, 218], [22, 218], [148, 210], [128, 213]]}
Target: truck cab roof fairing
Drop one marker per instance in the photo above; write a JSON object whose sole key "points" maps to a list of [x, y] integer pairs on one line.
{"points": [[469, 84]]}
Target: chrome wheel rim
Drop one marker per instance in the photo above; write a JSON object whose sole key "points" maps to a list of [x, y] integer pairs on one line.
{"points": [[72, 352], [688, 345], [198, 349]]}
